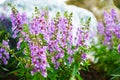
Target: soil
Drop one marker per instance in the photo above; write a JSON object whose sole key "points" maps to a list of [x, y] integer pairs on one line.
{"points": [[94, 74], [8, 77]]}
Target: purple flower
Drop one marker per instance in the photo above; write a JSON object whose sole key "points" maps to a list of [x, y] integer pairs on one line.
{"points": [[53, 60], [18, 20], [110, 29], [109, 21], [4, 60], [38, 26], [15, 34], [57, 64], [70, 59], [82, 37], [119, 48], [60, 54], [19, 42], [70, 51], [100, 28], [0, 55], [4, 55], [39, 59], [113, 14], [117, 31], [33, 71], [84, 56], [5, 43], [44, 73]]}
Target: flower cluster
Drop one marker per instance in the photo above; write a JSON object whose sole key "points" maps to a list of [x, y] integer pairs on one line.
{"points": [[60, 39], [18, 20], [4, 55], [82, 36], [38, 27], [110, 28], [39, 59], [49, 40]]}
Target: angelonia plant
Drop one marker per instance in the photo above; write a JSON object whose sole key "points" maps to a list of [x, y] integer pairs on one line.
{"points": [[46, 45], [108, 48], [109, 29]]}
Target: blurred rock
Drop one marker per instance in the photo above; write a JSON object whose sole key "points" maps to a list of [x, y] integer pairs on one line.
{"points": [[97, 7], [2, 1], [117, 3], [53, 6]]}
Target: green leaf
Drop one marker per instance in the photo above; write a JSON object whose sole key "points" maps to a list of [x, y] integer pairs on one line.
{"points": [[75, 69], [14, 71], [25, 27], [79, 77], [41, 36], [58, 15], [5, 69], [66, 14]]}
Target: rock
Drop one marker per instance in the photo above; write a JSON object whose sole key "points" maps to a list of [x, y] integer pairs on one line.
{"points": [[2, 1], [53, 6], [117, 3]]}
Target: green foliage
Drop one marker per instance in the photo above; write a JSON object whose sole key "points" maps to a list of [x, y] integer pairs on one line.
{"points": [[85, 21], [116, 74], [3, 35], [108, 59]]}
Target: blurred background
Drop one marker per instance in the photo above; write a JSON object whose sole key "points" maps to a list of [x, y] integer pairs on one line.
{"points": [[97, 7]]}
